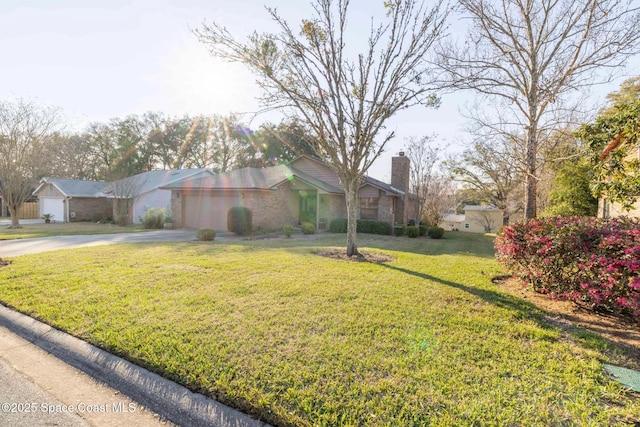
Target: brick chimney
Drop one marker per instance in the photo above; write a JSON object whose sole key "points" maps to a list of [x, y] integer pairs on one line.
{"points": [[400, 167]]}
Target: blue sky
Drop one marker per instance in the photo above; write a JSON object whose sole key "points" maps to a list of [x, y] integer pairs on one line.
{"points": [[99, 59]]}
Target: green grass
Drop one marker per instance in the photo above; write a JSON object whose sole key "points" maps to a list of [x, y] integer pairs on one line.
{"points": [[28, 231], [297, 339]]}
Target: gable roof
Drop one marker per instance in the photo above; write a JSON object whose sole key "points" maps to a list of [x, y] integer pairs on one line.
{"points": [[382, 186], [481, 208], [250, 179], [152, 180], [267, 179], [74, 187]]}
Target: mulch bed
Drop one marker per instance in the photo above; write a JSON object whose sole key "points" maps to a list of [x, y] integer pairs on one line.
{"points": [[360, 257], [567, 314]]}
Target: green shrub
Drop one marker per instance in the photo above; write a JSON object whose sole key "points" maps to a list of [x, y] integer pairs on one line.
{"points": [[413, 231], [239, 220], [338, 225], [206, 234], [308, 228], [362, 226], [288, 230], [398, 230], [423, 229], [435, 232], [100, 217], [153, 218], [374, 227]]}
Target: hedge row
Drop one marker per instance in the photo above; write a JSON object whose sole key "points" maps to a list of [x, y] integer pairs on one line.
{"points": [[591, 261], [363, 226]]}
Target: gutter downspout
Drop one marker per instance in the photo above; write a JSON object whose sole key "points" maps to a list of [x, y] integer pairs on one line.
{"points": [[67, 203]]}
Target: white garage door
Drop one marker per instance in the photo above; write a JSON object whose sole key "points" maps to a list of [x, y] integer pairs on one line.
{"points": [[208, 211], [52, 206]]}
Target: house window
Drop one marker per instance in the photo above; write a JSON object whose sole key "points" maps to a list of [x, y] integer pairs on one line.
{"points": [[466, 226], [368, 207]]}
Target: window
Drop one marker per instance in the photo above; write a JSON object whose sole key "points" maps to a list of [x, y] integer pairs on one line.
{"points": [[466, 226], [368, 207]]}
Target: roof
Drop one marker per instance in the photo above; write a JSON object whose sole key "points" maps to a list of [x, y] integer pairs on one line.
{"points": [[75, 187], [152, 180], [480, 208], [383, 186], [250, 179], [453, 218]]}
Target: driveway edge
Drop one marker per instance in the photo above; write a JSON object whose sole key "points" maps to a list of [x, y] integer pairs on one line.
{"points": [[168, 399]]}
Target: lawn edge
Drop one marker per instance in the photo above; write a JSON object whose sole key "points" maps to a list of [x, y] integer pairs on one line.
{"points": [[167, 398]]}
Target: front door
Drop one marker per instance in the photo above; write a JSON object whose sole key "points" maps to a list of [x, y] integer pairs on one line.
{"points": [[307, 202]]}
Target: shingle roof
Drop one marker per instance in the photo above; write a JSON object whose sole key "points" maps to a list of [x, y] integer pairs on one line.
{"points": [[480, 208], [383, 185], [251, 179], [76, 187], [148, 181]]}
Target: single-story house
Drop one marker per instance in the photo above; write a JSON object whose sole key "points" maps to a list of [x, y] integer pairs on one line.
{"points": [[134, 195], [82, 200], [305, 190], [452, 222], [477, 219], [72, 199]]}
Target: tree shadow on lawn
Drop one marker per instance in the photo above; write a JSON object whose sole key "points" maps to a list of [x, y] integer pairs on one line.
{"points": [[587, 336], [453, 244]]}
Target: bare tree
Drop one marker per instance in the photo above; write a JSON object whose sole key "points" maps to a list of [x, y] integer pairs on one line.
{"points": [[122, 193], [423, 157], [493, 169], [25, 129], [530, 56], [439, 198], [345, 101], [485, 220]]}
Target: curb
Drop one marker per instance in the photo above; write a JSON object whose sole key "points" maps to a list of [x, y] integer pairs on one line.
{"points": [[166, 398]]}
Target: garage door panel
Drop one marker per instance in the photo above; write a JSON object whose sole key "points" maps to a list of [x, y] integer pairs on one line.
{"points": [[54, 207], [208, 211]]}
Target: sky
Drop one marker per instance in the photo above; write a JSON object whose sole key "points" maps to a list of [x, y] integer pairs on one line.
{"points": [[102, 59]]}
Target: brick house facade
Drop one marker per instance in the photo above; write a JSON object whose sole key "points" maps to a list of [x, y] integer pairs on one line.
{"points": [[306, 190]]}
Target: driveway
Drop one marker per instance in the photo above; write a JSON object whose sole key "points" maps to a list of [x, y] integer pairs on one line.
{"points": [[12, 248]]}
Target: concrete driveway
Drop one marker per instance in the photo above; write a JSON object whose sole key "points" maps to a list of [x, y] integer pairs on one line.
{"points": [[12, 248]]}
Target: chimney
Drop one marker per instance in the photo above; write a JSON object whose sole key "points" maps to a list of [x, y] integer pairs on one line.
{"points": [[400, 166], [400, 171]]}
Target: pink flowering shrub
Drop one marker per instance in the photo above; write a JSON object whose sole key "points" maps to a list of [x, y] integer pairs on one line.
{"points": [[594, 262]]}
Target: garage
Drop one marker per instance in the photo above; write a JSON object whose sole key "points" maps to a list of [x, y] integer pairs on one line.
{"points": [[53, 206], [206, 210]]}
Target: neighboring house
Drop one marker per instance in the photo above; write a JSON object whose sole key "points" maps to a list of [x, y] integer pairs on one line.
{"points": [[452, 222], [476, 219], [132, 196], [607, 209], [72, 199], [306, 190], [80, 200]]}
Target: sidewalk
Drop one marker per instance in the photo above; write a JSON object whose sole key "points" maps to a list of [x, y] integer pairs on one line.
{"points": [[56, 379]]}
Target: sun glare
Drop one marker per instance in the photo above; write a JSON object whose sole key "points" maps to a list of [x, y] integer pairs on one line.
{"points": [[193, 82]]}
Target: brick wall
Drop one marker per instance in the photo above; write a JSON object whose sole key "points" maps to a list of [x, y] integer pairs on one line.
{"points": [[273, 208], [400, 171], [385, 208], [176, 208], [86, 208]]}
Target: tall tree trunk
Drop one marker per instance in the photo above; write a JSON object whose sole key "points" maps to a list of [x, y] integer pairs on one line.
{"points": [[531, 183], [14, 211], [351, 198]]}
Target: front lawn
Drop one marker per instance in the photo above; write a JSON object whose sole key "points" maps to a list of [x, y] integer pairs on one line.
{"points": [[63, 229], [275, 330]]}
